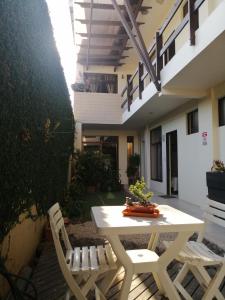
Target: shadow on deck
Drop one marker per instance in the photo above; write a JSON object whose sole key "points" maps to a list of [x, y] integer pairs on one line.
{"points": [[51, 285]]}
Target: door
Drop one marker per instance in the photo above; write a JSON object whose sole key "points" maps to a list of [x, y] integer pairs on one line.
{"points": [[172, 163]]}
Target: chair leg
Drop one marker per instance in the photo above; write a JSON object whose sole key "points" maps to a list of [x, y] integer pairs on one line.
{"points": [[213, 287], [68, 295], [106, 283], [126, 285], [158, 283], [98, 294], [89, 283], [171, 291], [178, 280]]}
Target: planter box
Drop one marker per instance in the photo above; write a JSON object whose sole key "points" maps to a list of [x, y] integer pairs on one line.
{"points": [[216, 186]]}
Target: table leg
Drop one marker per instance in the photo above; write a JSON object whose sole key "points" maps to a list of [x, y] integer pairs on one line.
{"points": [[153, 241], [171, 291], [124, 259], [108, 280], [165, 259]]}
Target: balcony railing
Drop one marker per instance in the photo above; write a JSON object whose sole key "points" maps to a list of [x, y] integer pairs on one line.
{"points": [[161, 52]]}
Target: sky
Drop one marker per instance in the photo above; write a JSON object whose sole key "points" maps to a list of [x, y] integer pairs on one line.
{"points": [[61, 22]]}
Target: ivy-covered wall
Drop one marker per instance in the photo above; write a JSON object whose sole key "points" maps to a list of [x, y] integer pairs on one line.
{"points": [[36, 119]]}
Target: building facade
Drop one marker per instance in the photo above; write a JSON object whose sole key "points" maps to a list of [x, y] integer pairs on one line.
{"points": [[180, 129]]}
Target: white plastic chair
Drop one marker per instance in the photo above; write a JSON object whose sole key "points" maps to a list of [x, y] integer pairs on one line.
{"points": [[81, 267], [196, 256]]}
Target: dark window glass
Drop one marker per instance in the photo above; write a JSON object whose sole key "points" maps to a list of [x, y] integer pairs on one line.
{"points": [[100, 83], [156, 154], [185, 9], [192, 122], [130, 146], [222, 111]]}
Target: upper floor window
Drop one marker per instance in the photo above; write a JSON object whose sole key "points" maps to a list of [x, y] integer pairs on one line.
{"points": [[221, 106], [156, 154], [192, 122], [100, 83]]}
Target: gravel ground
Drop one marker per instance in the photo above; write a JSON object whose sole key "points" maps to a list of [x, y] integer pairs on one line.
{"points": [[84, 234]]}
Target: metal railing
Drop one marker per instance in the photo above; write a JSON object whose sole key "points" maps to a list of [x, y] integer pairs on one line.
{"points": [[158, 52]]}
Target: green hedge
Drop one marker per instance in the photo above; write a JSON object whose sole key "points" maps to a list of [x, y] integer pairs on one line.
{"points": [[36, 119]]}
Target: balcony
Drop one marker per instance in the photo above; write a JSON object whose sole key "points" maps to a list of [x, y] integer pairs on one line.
{"points": [[97, 108], [186, 56]]}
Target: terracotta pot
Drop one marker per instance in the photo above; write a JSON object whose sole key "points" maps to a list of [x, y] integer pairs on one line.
{"points": [[142, 209]]}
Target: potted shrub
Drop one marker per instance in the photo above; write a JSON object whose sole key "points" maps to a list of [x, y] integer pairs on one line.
{"points": [[216, 182], [142, 201]]}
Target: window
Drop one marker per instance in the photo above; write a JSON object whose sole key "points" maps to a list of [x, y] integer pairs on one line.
{"points": [[107, 145], [156, 154], [130, 146], [192, 122], [221, 111], [100, 83]]}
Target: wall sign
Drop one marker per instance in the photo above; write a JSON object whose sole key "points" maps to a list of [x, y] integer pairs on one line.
{"points": [[204, 138]]}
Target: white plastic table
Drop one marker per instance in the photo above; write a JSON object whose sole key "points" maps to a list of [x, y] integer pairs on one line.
{"points": [[110, 222]]}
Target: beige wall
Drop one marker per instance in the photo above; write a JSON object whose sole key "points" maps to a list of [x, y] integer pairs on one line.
{"points": [[97, 108], [122, 147], [20, 244]]}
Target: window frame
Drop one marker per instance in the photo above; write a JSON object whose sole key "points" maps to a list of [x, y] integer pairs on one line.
{"points": [[158, 146], [221, 111], [190, 121]]}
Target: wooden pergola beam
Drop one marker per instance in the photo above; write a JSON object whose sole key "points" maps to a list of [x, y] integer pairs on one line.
{"points": [[137, 40], [107, 6], [103, 57], [104, 22], [101, 63], [104, 47], [136, 8], [103, 35], [89, 33]]}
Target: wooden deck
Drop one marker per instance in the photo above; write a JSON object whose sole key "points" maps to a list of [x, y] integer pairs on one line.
{"points": [[50, 284]]}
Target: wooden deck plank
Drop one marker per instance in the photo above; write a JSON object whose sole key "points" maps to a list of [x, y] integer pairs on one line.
{"points": [[51, 285]]}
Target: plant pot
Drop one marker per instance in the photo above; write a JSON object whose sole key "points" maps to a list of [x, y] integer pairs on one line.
{"points": [[136, 207], [216, 186]]}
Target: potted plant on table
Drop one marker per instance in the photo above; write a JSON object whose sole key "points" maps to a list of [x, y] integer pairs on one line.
{"points": [[216, 182], [143, 203]]}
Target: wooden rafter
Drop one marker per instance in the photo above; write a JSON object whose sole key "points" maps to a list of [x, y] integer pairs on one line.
{"points": [[103, 57], [136, 10], [119, 40], [104, 47], [103, 35], [107, 6], [137, 41], [102, 63], [103, 22], [89, 33]]}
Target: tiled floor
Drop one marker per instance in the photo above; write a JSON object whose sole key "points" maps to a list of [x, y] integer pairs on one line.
{"points": [[214, 233]]}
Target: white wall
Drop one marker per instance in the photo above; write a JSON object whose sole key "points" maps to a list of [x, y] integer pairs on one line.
{"points": [[97, 108], [219, 92], [194, 158], [122, 146]]}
